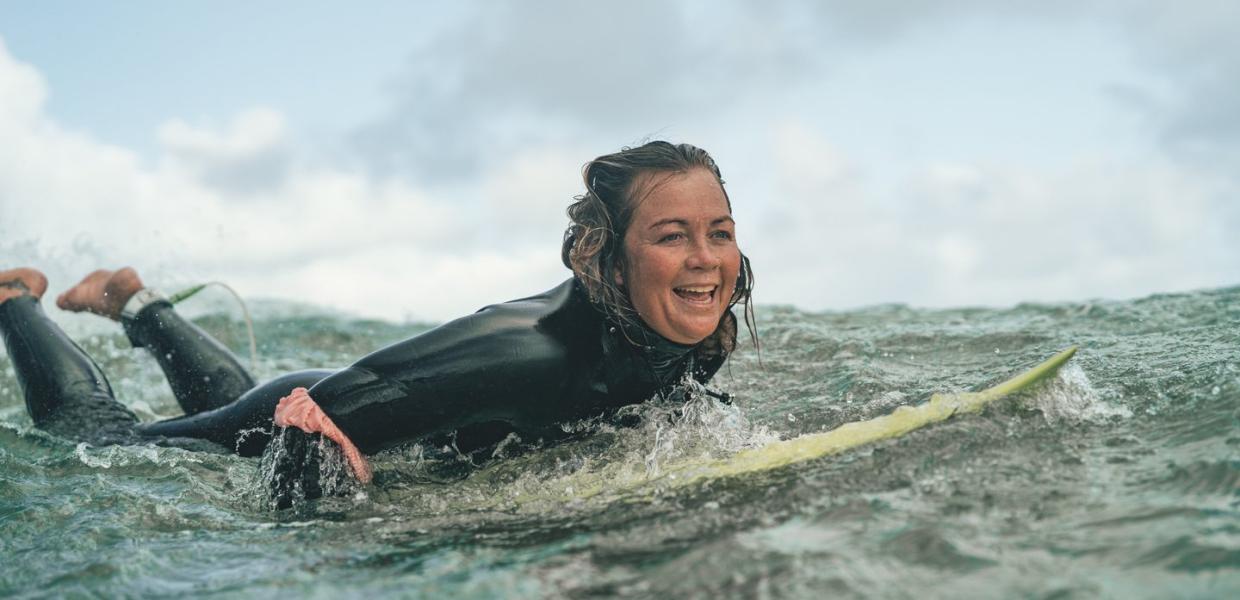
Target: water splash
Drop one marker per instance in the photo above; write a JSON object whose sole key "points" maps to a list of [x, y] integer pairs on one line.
{"points": [[298, 467], [691, 424], [1071, 398]]}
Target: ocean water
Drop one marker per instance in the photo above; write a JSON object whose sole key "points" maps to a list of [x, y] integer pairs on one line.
{"points": [[1120, 478]]}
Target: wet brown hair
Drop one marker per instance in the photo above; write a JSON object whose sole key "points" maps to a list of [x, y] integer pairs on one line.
{"points": [[594, 241]]}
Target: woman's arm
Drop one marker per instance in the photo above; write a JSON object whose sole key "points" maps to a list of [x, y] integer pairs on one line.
{"points": [[502, 363]]}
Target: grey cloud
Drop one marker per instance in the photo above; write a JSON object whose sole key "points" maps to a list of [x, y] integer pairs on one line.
{"points": [[557, 72], [560, 70], [230, 163], [263, 172], [1205, 128], [1196, 48]]}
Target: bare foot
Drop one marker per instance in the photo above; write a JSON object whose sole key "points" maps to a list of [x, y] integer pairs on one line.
{"points": [[102, 292], [21, 282]]}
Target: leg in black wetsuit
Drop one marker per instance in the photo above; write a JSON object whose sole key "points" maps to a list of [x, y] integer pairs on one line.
{"points": [[67, 394], [219, 397]]}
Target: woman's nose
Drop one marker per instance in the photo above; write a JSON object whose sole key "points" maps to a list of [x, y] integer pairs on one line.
{"points": [[703, 256]]}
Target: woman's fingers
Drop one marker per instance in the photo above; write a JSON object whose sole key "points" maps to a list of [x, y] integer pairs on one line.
{"points": [[357, 461]]}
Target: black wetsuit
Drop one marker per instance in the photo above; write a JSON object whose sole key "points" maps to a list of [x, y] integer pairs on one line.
{"points": [[521, 367]]}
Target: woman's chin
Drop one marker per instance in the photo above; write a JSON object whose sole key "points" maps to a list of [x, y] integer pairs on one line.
{"points": [[683, 322], [690, 332]]}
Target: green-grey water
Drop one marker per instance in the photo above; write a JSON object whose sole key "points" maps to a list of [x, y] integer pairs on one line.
{"points": [[1121, 478]]}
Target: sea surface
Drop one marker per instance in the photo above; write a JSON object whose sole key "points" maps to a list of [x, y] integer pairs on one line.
{"points": [[1120, 478]]}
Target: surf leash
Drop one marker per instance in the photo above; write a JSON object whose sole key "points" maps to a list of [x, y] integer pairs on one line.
{"points": [[191, 291]]}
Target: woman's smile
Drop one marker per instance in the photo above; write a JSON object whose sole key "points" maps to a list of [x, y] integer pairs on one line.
{"points": [[702, 294]]}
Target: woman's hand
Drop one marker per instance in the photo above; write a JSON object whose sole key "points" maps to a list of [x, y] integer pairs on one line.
{"points": [[299, 410]]}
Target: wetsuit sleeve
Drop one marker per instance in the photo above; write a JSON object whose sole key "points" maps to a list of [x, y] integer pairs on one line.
{"points": [[497, 365]]}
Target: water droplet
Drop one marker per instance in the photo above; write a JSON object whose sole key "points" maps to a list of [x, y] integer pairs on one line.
{"points": [[996, 350], [1215, 390], [792, 418]]}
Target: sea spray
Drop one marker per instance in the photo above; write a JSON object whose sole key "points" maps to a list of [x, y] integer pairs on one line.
{"points": [[1070, 398], [690, 423], [298, 467], [617, 457]]}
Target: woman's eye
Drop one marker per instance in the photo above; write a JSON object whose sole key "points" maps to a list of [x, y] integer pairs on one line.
{"points": [[671, 237], [722, 235]]}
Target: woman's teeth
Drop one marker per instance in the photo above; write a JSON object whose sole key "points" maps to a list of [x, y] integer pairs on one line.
{"points": [[696, 293]]}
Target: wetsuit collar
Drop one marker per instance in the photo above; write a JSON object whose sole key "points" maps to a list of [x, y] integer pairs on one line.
{"points": [[666, 358]]}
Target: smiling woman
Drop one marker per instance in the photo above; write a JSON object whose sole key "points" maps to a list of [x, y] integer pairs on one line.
{"points": [[656, 271], [660, 190]]}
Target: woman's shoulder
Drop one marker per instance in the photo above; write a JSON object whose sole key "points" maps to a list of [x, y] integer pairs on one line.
{"points": [[565, 308], [544, 329], [551, 299]]}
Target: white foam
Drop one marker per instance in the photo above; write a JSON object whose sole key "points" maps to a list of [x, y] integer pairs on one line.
{"points": [[691, 426], [1070, 397], [108, 457]]}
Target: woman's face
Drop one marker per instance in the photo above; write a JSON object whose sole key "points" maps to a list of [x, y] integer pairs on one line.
{"points": [[680, 255]]}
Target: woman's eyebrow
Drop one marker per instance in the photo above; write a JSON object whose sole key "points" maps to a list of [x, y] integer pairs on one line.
{"points": [[671, 221], [685, 223]]}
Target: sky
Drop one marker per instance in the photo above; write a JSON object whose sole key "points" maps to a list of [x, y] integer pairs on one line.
{"points": [[412, 161]]}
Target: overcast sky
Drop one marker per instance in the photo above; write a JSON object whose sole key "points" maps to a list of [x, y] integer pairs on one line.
{"points": [[413, 160]]}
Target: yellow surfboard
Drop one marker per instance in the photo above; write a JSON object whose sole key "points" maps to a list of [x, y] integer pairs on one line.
{"points": [[902, 420], [614, 484]]}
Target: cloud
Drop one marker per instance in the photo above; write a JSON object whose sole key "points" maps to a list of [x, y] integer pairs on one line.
{"points": [[252, 154], [1190, 48], [985, 234], [215, 204], [22, 91], [1195, 49], [552, 73]]}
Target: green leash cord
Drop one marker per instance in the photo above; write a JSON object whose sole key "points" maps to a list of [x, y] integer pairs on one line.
{"points": [[189, 292]]}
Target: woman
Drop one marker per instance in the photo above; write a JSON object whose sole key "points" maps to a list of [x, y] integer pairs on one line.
{"points": [[656, 270]]}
